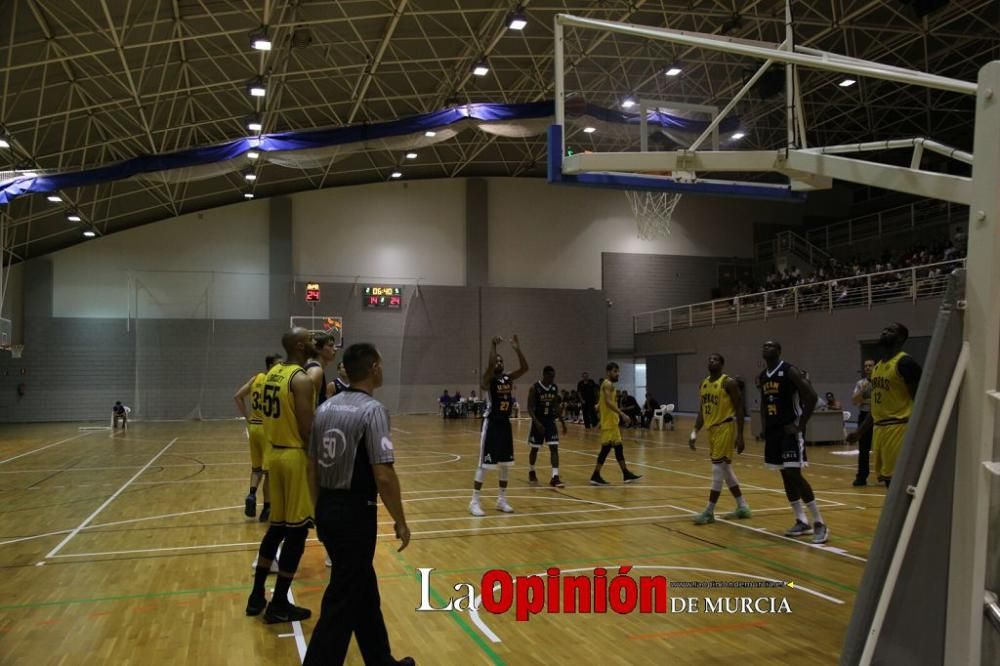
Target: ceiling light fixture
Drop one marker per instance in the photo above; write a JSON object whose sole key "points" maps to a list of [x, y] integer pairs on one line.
{"points": [[411, 156], [248, 195], [628, 103], [430, 133], [518, 20], [250, 176], [89, 233], [257, 88], [54, 198], [847, 83], [4, 141], [260, 41], [252, 155], [73, 218], [589, 130], [673, 71], [255, 126], [397, 174], [481, 68], [738, 135]]}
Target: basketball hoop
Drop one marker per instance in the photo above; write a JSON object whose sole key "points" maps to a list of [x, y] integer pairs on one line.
{"points": [[653, 212], [16, 351]]}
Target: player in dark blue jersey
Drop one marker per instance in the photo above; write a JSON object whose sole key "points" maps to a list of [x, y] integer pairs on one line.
{"points": [[787, 400], [544, 407], [496, 445]]}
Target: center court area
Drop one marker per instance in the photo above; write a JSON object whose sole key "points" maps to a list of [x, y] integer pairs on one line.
{"points": [[135, 543]]}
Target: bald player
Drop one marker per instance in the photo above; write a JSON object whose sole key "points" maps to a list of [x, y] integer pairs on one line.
{"points": [[288, 403], [894, 387]]}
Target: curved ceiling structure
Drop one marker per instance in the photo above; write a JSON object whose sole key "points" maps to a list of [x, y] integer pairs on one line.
{"points": [[87, 83]]}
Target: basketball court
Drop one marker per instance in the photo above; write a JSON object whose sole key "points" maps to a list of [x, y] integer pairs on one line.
{"points": [[143, 529], [426, 176]]}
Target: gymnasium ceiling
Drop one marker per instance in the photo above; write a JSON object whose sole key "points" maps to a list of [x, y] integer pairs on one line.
{"points": [[91, 82]]}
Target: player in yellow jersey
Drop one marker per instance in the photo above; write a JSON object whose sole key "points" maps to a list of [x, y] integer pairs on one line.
{"points": [[287, 403], [894, 386], [611, 434], [259, 446], [722, 413]]}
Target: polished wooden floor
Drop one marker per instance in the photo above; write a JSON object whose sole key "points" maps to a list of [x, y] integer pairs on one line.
{"points": [[133, 548]]}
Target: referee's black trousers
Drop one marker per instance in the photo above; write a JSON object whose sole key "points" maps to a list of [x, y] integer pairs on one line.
{"points": [[348, 527]]}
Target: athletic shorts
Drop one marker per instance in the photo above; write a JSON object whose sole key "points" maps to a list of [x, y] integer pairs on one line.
{"points": [[260, 448], [784, 450], [291, 503], [887, 442], [496, 444], [611, 434], [549, 434], [722, 442]]}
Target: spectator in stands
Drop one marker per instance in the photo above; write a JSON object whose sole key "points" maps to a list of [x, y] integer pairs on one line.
{"points": [[445, 402], [631, 407], [648, 407], [830, 403]]}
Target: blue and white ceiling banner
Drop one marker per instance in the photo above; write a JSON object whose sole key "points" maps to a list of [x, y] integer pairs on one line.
{"points": [[318, 148]]}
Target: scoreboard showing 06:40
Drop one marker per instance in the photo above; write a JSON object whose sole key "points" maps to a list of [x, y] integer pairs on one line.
{"points": [[390, 298]]}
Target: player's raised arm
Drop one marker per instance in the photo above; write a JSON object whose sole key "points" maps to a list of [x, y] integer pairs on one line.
{"points": [[523, 363]]}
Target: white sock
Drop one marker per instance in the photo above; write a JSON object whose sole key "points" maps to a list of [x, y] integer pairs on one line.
{"points": [[502, 494], [814, 512], [475, 495], [531, 468], [800, 513], [741, 502], [710, 507], [555, 471]]}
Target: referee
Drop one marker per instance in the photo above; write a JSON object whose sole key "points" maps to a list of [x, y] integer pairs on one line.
{"points": [[352, 452]]}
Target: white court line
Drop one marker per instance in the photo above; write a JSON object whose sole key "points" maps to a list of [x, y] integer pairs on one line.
{"points": [[392, 535], [761, 530], [752, 455], [405, 432], [300, 638], [104, 469], [165, 515], [48, 446], [120, 522], [559, 498], [55, 551], [33, 536], [701, 476]]}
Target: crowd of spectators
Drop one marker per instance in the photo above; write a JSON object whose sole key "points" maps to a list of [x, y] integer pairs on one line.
{"points": [[833, 269], [893, 279]]}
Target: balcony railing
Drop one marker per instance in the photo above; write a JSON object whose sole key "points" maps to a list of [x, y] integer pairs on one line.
{"points": [[895, 286]]}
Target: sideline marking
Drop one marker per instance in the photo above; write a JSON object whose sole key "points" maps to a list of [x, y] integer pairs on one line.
{"points": [[48, 446], [69, 537]]}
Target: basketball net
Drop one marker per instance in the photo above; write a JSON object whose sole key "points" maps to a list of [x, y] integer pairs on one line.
{"points": [[16, 351], [653, 212]]}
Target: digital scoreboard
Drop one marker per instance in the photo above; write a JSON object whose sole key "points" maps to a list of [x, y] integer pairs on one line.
{"points": [[380, 296]]}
